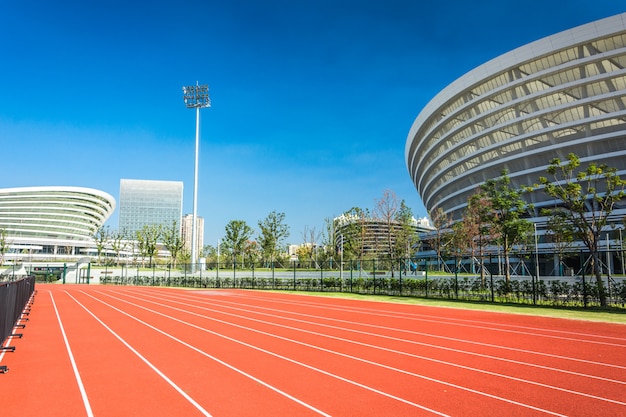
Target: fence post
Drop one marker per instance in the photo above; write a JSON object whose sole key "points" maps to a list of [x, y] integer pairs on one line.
{"points": [[456, 277], [582, 269], [491, 280], [535, 278], [426, 276], [374, 273], [351, 269], [400, 273]]}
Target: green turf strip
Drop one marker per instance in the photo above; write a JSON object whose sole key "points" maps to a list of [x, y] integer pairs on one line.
{"points": [[576, 313]]}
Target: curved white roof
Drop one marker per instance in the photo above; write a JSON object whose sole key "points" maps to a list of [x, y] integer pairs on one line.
{"points": [[57, 213], [561, 94]]}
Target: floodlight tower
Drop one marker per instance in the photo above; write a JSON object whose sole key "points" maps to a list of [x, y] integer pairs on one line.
{"points": [[196, 96]]}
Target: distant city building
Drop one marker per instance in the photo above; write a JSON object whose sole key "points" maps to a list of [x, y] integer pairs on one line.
{"points": [[186, 230], [148, 202]]}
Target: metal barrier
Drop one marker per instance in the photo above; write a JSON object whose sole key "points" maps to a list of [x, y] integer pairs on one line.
{"points": [[398, 277], [14, 301]]}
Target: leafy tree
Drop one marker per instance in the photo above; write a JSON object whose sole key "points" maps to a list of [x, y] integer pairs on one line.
{"points": [[237, 234], [310, 236], [173, 241], [101, 238], [460, 241], [147, 241], [251, 251], [386, 209], [442, 236], [477, 218], [328, 240], [587, 198], [507, 209], [354, 233], [210, 253], [406, 235], [273, 233], [561, 232], [119, 242]]}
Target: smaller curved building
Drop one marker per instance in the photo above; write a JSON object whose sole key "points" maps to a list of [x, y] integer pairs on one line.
{"points": [[372, 233], [40, 223]]}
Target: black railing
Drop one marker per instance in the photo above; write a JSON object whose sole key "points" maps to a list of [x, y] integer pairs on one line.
{"points": [[459, 280], [14, 297]]}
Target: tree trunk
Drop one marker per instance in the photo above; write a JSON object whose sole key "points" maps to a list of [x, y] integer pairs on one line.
{"points": [[597, 270]]}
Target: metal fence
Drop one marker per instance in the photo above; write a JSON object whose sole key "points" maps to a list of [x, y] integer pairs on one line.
{"points": [[14, 297], [393, 277]]}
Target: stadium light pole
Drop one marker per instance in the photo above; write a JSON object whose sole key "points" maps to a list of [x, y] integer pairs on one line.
{"points": [[196, 96]]}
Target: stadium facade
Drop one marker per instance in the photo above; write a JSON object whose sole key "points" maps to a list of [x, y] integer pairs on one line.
{"points": [[562, 94], [44, 223]]}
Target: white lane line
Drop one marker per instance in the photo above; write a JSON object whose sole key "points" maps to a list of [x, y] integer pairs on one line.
{"points": [[146, 361], [310, 407], [449, 384], [583, 394], [430, 335], [81, 387], [417, 316], [402, 352], [259, 349], [451, 322]]}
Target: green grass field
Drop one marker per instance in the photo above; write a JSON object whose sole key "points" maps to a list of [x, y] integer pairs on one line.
{"points": [[612, 315]]}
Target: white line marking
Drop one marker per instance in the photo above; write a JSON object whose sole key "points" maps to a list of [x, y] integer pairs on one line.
{"points": [[384, 349], [453, 339], [146, 361], [345, 329], [411, 354], [204, 354], [332, 352], [81, 387], [259, 349], [451, 321]]}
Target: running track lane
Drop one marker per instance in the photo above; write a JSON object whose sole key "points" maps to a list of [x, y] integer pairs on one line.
{"points": [[574, 403], [550, 380], [154, 351]]}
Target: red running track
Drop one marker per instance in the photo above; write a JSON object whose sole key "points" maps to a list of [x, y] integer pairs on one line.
{"points": [[140, 351]]}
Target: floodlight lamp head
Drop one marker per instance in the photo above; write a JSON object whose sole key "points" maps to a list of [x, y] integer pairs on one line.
{"points": [[196, 96]]}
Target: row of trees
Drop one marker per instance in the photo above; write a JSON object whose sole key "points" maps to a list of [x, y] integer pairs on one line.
{"points": [[497, 215], [398, 238], [237, 241], [146, 242]]}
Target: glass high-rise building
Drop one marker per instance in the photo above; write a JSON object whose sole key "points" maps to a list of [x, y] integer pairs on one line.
{"points": [[149, 202]]}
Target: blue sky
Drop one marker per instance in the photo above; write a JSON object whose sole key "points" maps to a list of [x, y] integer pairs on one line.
{"points": [[312, 101]]}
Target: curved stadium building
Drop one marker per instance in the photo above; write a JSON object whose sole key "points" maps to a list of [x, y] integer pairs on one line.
{"points": [[43, 222], [562, 94]]}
